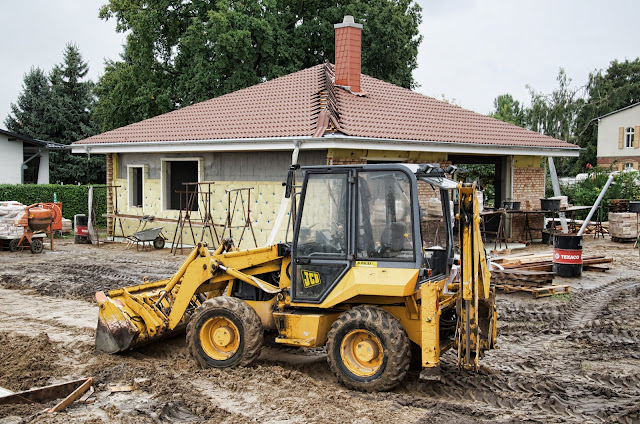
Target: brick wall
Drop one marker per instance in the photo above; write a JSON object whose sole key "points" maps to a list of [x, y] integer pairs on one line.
{"points": [[619, 162], [528, 188], [109, 165]]}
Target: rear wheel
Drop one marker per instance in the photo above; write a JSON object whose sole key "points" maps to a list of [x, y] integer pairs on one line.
{"points": [[158, 243], [36, 245], [368, 349], [225, 332], [13, 245]]}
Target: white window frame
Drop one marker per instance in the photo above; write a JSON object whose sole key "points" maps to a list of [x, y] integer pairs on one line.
{"points": [[628, 166], [163, 176], [130, 168], [628, 137]]}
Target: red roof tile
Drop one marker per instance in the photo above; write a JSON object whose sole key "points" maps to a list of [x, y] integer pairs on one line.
{"points": [[290, 106]]}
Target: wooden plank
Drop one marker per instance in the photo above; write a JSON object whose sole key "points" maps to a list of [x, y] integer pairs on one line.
{"points": [[42, 394], [73, 396], [535, 291], [595, 268]]}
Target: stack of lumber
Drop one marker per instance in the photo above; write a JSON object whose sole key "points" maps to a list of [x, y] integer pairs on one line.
{"points": [[10, 213], [623, 226], [534, 273]]}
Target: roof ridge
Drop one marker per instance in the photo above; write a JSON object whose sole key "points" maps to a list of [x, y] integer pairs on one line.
{"points": [[329, 116]]}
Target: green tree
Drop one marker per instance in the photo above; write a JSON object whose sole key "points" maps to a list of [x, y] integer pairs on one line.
{"points": [[507, 109], [59, 108], [31, 114], [179, 53]]}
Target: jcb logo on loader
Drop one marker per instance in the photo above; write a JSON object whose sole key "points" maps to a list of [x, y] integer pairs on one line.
{"points": [[310, 278]]}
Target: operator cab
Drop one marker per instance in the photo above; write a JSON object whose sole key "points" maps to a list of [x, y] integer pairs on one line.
{"points": [[366, 216]]}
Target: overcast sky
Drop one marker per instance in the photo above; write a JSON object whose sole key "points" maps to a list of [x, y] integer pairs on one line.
{"points": [[472, 50]]}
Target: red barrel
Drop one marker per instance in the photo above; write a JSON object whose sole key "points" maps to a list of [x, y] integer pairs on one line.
{"points": [[567, 255]]}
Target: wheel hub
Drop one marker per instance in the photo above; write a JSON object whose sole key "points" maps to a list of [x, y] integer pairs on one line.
{"points": [[366, 350], [223, 336], [362, 352], [219, 338]]}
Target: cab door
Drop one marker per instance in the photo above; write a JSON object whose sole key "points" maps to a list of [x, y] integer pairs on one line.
{"points": [[321, 245]]}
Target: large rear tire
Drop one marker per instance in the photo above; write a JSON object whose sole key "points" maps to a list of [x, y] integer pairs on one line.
{"points": [[368, 349], [225, 332]]}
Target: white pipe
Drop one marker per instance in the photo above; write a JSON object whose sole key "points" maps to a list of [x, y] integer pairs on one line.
{"points": [[595, 205], [284, 202]]}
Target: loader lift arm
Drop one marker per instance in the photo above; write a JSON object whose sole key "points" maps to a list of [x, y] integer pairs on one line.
{"points": [[164, 307]]}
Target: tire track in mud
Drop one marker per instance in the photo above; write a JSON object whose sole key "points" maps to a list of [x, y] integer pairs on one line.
{"points": [[585, 306], [543, 389]]}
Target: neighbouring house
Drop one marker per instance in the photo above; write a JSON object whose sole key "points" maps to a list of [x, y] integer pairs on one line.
{"points": [[619, 138], [331, 114], [23, 159]]}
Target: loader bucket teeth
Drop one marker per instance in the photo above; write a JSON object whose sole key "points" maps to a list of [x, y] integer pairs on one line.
{"points": [[115, 337]]}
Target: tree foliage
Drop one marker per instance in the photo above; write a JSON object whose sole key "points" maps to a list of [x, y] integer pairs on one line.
{"points": [[58, 107], [507, 109], [569, 113], [179, 53]]}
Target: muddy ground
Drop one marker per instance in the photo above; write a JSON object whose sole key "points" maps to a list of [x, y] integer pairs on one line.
{"points": [[567, 358]]}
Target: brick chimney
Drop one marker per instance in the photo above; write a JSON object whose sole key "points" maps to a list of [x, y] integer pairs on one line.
{"points": [[348, 53]]}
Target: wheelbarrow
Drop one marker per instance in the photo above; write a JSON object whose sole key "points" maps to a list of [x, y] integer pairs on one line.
{"points": [[153, 236]]}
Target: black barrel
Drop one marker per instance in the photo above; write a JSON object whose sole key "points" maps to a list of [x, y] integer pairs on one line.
{"points": [[567, 255]]}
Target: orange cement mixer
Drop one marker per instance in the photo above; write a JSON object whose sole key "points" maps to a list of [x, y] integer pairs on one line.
{"points": [[37, 219]]}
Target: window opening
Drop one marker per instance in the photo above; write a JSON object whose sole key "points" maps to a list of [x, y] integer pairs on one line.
{"points": [[135, 186], [628, 137], [177, 173]]}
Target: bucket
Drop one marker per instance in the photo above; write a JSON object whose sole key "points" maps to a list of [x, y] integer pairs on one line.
{"points": [[567, 255], [634, 207], [550, 204], [547, 237], [510, 205]]}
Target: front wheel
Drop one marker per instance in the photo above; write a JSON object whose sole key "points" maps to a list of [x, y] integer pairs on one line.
{"points": [[225, 332], [36, 246], [368, 349]]}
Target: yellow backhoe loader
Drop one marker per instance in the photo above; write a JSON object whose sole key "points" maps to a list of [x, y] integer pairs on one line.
{"points": [[368, 275]]}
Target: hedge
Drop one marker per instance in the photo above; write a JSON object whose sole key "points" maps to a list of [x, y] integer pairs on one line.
{"points": [[74, 198]]}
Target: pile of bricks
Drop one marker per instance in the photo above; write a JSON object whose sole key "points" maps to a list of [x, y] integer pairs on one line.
{"points": [[10, 213], [623, 226]]}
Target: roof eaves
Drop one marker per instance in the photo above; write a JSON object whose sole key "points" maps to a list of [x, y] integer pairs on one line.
{"points": [[616, 111]]}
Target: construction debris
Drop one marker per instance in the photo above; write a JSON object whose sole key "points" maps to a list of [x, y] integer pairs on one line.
{"points": [[534, 273], [70, 390]]}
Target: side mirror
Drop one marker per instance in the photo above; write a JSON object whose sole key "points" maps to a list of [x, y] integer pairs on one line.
{"points": [[288, 186]]}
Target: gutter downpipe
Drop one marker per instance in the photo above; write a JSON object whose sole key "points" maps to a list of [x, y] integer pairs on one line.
{"points": [[284, 203]]}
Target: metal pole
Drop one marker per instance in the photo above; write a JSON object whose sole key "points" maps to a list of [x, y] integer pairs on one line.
{"points": [[595, 205], [556, 192]]}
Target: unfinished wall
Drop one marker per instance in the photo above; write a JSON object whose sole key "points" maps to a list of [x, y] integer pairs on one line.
{"points": [[528, 188], [264, 171]]}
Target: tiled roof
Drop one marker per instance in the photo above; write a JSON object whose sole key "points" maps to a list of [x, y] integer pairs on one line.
{"points": [[306, 104]]}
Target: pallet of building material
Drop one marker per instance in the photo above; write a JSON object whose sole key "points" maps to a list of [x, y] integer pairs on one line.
{"points": [[535, 291], [523, 277], [623, 225]]}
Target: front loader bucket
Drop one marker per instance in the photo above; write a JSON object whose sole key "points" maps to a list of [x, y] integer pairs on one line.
{"points": [[134, 316], [114, 337]]}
